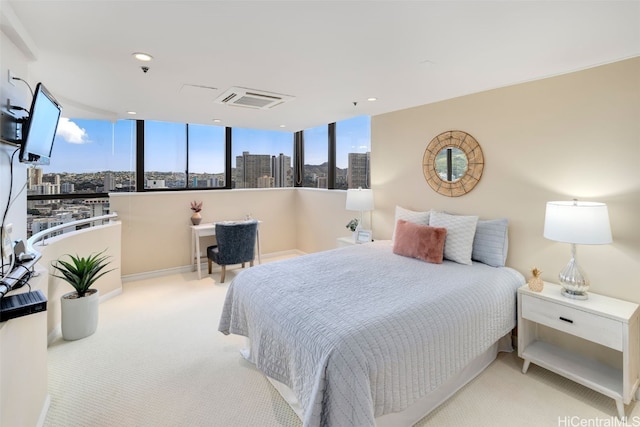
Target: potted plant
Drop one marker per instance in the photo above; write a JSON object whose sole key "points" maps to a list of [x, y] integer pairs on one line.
{"points": [[353, 224], [79, 309], [196, 207]]}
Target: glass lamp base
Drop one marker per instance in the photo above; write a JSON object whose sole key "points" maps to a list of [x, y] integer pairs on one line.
{"points": [[573, 280], [574, 295]]}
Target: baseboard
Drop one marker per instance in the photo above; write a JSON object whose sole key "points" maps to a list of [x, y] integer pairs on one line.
{"points": [[44, 411], [189, 268], [283, 253], [156, 273], [54, 334], [109, 295]]}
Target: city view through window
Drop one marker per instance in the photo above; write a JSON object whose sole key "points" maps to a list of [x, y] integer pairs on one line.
{"points": [[91, 158]]}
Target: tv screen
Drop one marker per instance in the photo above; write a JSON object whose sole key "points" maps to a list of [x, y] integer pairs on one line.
{"points": [[41, 126]]}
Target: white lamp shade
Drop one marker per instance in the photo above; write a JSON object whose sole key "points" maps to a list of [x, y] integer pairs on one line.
{"points": [[359, 200], [583, 223]]}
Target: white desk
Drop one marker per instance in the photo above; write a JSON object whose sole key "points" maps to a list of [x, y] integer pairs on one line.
{"points": [[209, 229]]}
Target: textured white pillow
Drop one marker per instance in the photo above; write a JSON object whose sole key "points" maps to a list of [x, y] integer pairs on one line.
{"points": [[460, 233], [415, 217], [491, 243]]}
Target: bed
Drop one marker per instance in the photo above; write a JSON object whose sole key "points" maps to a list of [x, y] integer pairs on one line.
{"points": [[362, 336]]}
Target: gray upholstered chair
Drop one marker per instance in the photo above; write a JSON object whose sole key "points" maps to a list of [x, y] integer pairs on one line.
{"points": [[235, 245]]}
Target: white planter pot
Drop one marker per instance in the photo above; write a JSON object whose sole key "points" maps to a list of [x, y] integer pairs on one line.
{"points": [[79, 315]]}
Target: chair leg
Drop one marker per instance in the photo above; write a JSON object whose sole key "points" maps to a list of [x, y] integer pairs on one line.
{"points": [[224, 270], [209, 264]]}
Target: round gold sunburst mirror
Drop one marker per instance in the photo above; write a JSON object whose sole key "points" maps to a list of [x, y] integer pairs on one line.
{"points": [[453, 163]]}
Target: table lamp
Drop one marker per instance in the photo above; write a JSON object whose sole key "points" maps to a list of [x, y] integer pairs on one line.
{"points": [[578, 223], [359, 200]]}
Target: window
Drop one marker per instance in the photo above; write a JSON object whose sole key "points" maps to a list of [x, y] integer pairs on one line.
{"points": [[206, 156], [90, 158], [165, 155], [353, 153], [261, 158], [316, 153]]}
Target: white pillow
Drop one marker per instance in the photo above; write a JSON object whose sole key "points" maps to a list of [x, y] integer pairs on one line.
{"points": [[491, 243], [461, 230], [415, 217]]}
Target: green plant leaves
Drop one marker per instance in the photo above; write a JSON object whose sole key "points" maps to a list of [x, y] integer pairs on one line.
{"points": [[82, 272]]}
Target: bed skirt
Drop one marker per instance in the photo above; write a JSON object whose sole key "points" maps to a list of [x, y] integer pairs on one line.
{"points": [[423, 406]]}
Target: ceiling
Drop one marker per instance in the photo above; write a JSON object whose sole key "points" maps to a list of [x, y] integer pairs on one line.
{"points": [[330, 56]]}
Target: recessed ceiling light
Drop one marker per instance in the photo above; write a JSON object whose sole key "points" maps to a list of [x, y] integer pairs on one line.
{"points": [[133, 113], [372, 99], [216, 120], [141, 56], [283, 126]]}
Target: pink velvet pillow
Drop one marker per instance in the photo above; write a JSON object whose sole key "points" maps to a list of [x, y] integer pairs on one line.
{"points": [[419, 241]]}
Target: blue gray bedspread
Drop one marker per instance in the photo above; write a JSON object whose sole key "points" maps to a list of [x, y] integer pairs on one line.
{"points": [[359, 332]]}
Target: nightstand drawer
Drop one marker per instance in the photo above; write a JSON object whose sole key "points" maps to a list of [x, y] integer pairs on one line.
{"points": [[589, 326]]}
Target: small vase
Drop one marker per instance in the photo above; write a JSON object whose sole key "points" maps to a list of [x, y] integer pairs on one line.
{"points": [[196, 218]]}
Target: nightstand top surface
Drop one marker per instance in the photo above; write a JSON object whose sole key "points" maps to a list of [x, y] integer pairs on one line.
{"points": [[610, 307]]}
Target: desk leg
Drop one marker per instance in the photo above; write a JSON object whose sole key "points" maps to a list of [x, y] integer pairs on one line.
{"points": [[198, 263], [193, 245], [258, 244]]}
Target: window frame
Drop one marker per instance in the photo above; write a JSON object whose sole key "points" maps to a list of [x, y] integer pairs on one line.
{"points": [[298, 165]]}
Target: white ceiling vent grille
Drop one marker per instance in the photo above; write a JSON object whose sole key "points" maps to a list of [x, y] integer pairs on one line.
{"points": [[251, 98]]}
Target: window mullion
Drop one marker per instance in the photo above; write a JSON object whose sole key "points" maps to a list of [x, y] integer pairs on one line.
{"points": [[331, 159]]}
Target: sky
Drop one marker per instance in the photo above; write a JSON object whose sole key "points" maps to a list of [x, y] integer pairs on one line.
{"points": [[85, 146]]}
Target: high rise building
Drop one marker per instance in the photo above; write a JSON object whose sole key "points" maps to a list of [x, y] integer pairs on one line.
{"points": [[250, 167], [34, 176], [215, 182], [97, 207], [109, 182], [282, 171], [67, 187], [265, 182], [359, 172], [45, 188]]}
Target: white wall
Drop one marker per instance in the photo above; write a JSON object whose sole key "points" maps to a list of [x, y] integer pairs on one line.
{"points": [[570, 136], [156, 233], [24, 398], [322, 218], [13, 59], [23, 342]]}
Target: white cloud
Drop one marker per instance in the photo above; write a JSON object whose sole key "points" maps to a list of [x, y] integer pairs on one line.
{"points": [[71, 132]]}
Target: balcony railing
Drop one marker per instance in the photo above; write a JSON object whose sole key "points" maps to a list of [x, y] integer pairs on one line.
{"points": [[41, 236]]}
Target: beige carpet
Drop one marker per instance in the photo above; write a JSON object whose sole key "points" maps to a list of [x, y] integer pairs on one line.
{"points": [[158, 360]]}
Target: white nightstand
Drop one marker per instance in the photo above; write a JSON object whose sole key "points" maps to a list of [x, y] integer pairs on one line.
{"points": [[607, 321], [345, 241]]}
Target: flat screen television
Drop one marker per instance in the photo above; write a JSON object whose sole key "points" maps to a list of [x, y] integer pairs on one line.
{"points": [[39, 129]]}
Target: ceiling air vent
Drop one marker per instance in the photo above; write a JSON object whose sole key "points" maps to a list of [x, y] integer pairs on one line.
{"points": [[251, 98]]}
